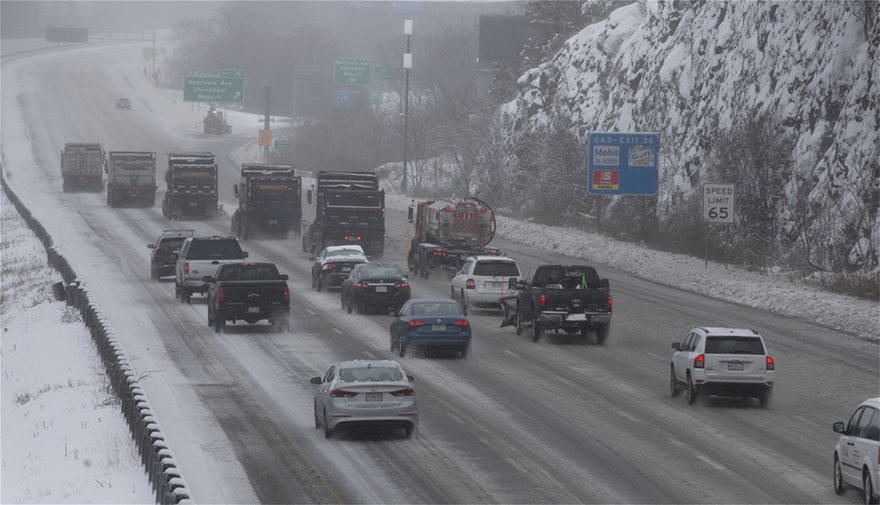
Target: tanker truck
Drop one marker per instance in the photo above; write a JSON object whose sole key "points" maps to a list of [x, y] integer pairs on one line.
{"points": [[447, 232]]}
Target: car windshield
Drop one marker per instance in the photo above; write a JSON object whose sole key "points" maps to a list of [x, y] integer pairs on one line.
{"points": [[214, 249], [370, 374], [436, 309], [381, 273], [496, 269], [734, 345], [344, 252]]}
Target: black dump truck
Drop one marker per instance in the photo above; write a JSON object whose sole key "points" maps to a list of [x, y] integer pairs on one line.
{"points": [[132, 177], [349, 209], [571, 298], [191, 180], [269, 201]]}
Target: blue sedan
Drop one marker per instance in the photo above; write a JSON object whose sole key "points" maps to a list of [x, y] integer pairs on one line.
{"points": [[431, 323]]}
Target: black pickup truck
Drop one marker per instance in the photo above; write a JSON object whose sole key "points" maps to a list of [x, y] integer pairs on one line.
{"points": [[248, 292], [558, 297]]}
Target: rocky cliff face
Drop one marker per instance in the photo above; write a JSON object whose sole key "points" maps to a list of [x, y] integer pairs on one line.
{"points": [[696, 70]]}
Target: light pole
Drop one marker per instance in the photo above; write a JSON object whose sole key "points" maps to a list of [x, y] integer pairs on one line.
{"points": [[407, 64]]}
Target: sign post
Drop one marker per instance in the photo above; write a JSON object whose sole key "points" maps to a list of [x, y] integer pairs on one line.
{"points": [[719, 205], [213, 89], [351, 72]]}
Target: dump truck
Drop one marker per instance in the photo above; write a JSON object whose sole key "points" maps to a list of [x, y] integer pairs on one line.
{"points": [[82, 167], [191, 181], [131, 177], [269, 201], [215, 122], [349, 209], [447, 232]]}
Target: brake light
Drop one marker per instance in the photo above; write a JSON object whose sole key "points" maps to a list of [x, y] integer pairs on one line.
{"points": [[358, 238], [401, 284], [382, 210], [416, 323], [542, 300], [462, 323], [285, 294], [470, 284], [329, 266], [447, 209], [345, 237], [771, 363], [700, 361], [220, 295], [186, 267], [341, 393], [438, 253], [610, 302], [403, 392], [360, 285]]}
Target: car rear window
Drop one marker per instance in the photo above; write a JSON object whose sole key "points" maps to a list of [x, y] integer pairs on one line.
{"points": [[734, 345], [370, 374], [249, 273], [214, 249], [381, 273], [496, 268], [438, 309], [344, 252], [171, 244]]}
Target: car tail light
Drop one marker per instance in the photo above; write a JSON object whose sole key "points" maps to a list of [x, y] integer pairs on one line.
{"points": [[186, 267], [220, 295], [416, 323], [462, 323], [285, 294], [542, 300], [345, 237], [401, 284], [403, 392], [438, 253], [329, 266], [358, 238], [610, 302], [360, 285], [382, 210], [700, 361], [341, 393], [771, 363], [447, 209], [470, 284]]}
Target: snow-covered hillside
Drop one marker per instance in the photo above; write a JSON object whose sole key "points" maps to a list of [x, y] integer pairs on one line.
{"points": [[693, 70]]}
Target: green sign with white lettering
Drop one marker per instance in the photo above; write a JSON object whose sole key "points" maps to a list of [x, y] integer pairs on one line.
{"points": [[213, 89], [231, 73], [282, 144], [351, 72]]}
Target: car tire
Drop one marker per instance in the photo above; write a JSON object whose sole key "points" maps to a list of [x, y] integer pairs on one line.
{"points": [[219, 324], [408, 432], [463, 301], [154, 275], [673, 382], [537, 331], [315, 412], [210, 317], [520, 324], [342, 303], [393, 343], [602, 333], [320, 284], [764, 399], [327, 430], [187, 296], [690, 391], [176, 290], [401, 347], [465, 351], [868, 488], [839, 485]]}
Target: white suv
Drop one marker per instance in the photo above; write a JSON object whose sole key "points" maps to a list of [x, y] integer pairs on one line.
{"points": [[483, 280], [722, 362], [857, 455]]}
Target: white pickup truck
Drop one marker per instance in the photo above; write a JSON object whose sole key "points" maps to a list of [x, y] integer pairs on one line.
{"points": [[200, 257]]}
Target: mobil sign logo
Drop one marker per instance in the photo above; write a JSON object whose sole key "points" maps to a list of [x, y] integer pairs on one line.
{"points": [[607, 156]]}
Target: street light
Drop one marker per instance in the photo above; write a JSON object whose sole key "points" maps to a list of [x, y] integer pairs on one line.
{"points": [[407, 64]]}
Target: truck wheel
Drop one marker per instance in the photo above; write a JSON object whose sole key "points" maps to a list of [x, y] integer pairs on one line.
{"points": [[673, 383], [65, 186], [690, 391], [602, 333], [520, 324], [537, 330], [110, 199], [219, 324], [154, 275]]}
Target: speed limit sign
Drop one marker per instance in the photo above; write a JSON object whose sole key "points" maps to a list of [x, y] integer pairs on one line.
{"points": [[719, 203]]}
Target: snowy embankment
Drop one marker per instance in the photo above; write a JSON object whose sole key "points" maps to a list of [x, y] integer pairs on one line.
{"points": [[63, 436]]}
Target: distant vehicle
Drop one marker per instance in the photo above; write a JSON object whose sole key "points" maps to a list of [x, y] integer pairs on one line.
{"points": [[123, 104], [374, 285], [722, 362], [131, 177], [333, 264], [483, 280], [365, 393], [269, 200], [165, 251], [434, 323], [857, 454], [447, 232], [571, 298], [82, 166], [200, 257], [215, 122], [191, 181], [248, 292]]}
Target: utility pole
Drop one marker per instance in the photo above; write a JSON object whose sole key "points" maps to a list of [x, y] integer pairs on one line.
{"points": [[266, 125], [407, 64]]}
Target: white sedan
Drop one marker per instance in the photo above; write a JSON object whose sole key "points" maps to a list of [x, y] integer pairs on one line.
{"points": [[365, 393], [483, 280]]}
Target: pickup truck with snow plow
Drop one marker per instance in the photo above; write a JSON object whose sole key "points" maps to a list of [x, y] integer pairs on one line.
{"points": [[571, 298], [248, 292]]}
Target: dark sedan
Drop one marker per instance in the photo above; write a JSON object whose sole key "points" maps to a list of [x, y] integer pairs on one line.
{"points": [[374, 286], [334, 263], [438, 324]]}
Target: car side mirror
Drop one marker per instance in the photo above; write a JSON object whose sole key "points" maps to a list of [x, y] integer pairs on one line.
{"points": [[604, 284], [839, 427], [409, 214], [244, 254], [283, 277], [207, 279], [315, 380], [677, 346], [235, 189], [309, 196], [512, 284], [151, 246], [410, 377]]}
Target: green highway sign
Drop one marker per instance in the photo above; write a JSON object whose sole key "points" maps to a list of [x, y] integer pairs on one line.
{"points": [[387, 73], [231, 73], [213, 89], [351, 72], [282, 144]]}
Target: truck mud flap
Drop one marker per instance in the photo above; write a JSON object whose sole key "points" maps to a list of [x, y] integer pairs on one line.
{"points": [[508, 305]]}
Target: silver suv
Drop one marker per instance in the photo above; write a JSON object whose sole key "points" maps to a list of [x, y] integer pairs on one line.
{"points": [[722, 362], [200, 257], [857, 455]]}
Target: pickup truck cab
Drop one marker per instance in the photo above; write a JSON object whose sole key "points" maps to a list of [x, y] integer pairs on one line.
{"points": [[248, 292], [200, 257], [571, 298]]}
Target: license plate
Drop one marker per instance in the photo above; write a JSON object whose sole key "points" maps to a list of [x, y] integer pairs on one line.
{"points": [[253, 310], [272, 221], [438, 327], [193, 204], [374, 397], [346, 269], [734, 366], [492, 284], [381, 289]]}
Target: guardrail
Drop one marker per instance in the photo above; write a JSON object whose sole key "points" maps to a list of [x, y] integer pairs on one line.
{"points": [[159, 463]]}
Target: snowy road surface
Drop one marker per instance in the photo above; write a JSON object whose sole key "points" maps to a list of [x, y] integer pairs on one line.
{"points": [[517, 422]]}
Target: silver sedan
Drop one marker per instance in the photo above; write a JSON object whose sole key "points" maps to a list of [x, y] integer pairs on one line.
{"points": [[365, 392]]}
